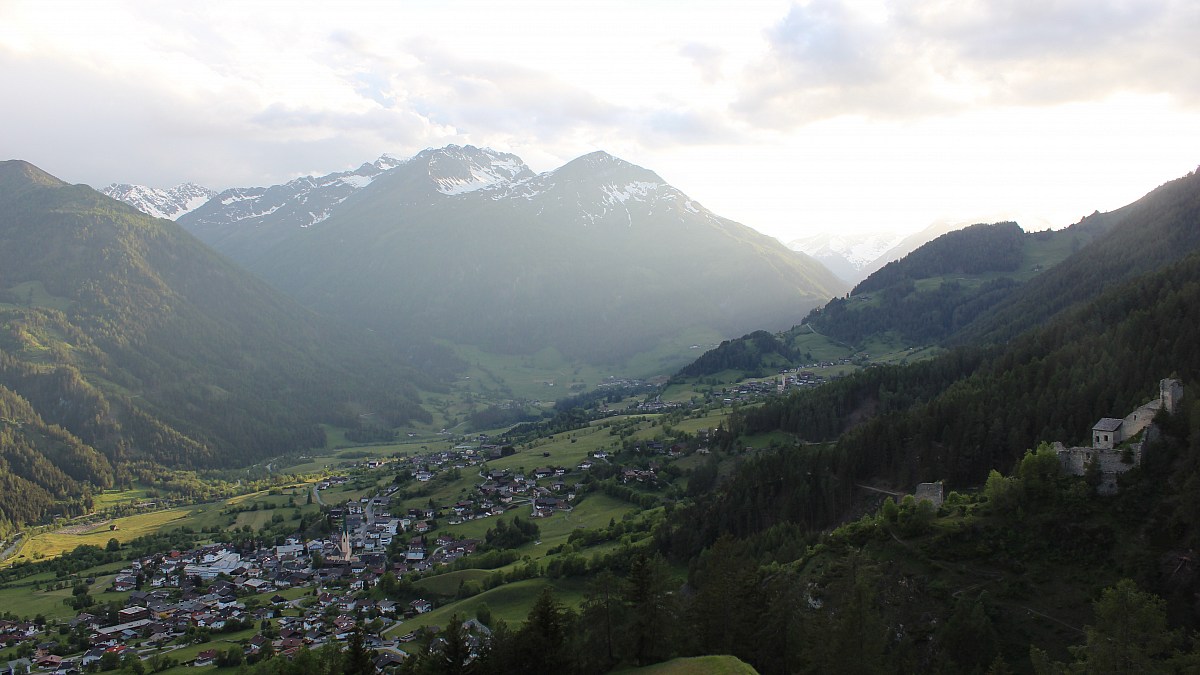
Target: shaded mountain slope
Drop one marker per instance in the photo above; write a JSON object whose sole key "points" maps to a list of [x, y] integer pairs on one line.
{"points": [[145, 346], [599, 259]]}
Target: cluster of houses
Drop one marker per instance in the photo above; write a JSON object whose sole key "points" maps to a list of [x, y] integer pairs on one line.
{"points": [[174, 596], [176, 593]]}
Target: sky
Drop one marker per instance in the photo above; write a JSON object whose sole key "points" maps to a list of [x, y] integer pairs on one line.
{"points": [[793, 118]]}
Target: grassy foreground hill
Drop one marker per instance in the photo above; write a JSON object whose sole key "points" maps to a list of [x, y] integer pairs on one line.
{"points": [[126, 344]]}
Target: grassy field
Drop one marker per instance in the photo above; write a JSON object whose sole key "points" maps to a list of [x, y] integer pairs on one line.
{"points": [[50, 544], [595, 511], [109, 498], [543, 376], [220, 642], [509, 603], [197, 517], [30, 597], [34, 293], [696, 665], [446, 585], [822, 348]]}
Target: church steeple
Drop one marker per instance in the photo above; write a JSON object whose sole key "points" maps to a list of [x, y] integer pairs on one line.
{"points": [[344, 545]]}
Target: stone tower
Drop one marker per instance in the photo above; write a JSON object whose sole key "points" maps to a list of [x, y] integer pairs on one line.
{"points": [[1170, 393]]}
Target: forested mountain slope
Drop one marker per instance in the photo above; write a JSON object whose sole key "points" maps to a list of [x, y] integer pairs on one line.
{"points": [[987, 283], [960, 415], [1154, 231], [999, 578], [141, 346]]}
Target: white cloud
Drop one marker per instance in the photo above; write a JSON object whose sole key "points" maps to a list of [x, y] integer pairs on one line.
{"points": [[786, 116], [927, 57]]}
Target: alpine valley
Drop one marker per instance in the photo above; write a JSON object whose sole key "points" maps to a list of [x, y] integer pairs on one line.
{"points": [[448, 415]]}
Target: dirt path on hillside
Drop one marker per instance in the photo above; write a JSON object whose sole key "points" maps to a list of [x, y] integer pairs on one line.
{"points": [[83, 528]]}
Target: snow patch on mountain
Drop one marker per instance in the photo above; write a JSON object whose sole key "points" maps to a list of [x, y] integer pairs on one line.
{"points": [[356, 181], [636, 190], [169, 203]]}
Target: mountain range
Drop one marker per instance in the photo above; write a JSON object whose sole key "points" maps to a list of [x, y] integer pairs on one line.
{"points": [[245, 223], [127, 347], [599, 259]]}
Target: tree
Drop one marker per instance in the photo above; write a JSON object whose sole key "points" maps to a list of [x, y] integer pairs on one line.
{"points": [[230, 657], [133, 663], [110, 661], [453, 657], [969, 640], [602, 615], [857, 636], [542, 641], [360, 659], [648, 596], [113, 545], [483, 614], [1130, 634]]}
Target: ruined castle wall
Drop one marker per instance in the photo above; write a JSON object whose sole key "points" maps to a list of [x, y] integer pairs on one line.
{"points": [[1075, 461], [1140, 419]]}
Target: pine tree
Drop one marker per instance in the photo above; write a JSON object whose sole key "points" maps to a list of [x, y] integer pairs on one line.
{"points": [[453, 657], [653, 611], [359, 659]]}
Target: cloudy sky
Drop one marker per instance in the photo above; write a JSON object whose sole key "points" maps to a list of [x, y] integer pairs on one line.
{"points": [[791, 117]]}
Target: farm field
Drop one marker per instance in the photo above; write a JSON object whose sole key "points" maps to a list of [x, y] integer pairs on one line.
{"points": [[109, 498], [30, 598], [197, 517], [50, 544]]}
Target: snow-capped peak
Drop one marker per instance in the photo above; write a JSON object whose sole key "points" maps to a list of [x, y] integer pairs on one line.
{"points": [[170, 203], [458, 169]]}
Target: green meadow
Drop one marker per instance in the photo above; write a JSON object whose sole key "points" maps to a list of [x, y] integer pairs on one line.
{"points": [[509, 603]]}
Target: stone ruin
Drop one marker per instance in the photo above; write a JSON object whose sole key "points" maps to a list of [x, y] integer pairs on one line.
{"points": [[1116, 445]]}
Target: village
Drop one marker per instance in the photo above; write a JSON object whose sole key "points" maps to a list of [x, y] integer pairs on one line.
{"points": [[304, 592]]}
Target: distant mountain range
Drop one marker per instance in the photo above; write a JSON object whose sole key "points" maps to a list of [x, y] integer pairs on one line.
{"points": [[846, 254], [170, 203], [856, 256], [599, 259]]}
